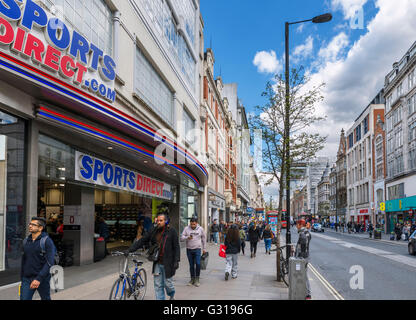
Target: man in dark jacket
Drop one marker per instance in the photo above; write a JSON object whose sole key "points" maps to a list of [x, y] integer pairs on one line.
{"points": [[253, 237], [36, 263], [233, 244], [215, 229], [167, 240]]}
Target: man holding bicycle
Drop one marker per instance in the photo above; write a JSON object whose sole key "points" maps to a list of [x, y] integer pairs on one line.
{"points": [[164, 243]]}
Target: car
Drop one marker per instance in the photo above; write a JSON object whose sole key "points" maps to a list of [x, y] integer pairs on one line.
{"points": [[412, 244], [317, 227]]}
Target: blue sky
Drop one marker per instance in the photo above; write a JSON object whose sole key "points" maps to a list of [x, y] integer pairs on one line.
{"points": [[351, 61], [238, 29], [248, 43]]}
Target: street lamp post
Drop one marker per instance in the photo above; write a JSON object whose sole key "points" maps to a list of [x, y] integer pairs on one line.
{"points": [[318, 19]]}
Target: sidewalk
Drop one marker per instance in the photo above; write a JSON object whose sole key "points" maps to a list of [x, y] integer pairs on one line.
{"points": [[256, 280]]}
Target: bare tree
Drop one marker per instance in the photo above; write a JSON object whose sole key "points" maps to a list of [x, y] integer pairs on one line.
{"points": [[270, 119]]}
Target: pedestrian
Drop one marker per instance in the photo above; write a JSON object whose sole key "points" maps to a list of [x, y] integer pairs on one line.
{"points": [[215, 229], [165, 238], [268, 236], [253, 237], [242, 238], [195, 238], [406, 230], [38, 257], [302, 251], [222, 231], [370, 229], [398, 232], [233, 244], [104, 232]]}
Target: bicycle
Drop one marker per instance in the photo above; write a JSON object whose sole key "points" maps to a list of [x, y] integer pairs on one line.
{"points": [[137, 282], [284, 263]]}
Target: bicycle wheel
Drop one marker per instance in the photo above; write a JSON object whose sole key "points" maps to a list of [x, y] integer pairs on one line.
{"points": [[118, 292], [140, 287], [284, 272]]}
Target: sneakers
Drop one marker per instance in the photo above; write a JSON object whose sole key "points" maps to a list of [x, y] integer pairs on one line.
{"points": [[308, 297], [196, 282], [227, 274], [191, 282], [172, 298]]}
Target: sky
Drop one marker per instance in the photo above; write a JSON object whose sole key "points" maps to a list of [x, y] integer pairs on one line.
{"points": [[352, 54]]}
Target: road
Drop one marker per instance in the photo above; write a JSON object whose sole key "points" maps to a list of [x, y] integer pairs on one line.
{"points": [[389, 272]]}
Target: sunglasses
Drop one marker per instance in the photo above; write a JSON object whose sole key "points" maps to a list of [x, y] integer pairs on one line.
{"points": [[34, 225]]}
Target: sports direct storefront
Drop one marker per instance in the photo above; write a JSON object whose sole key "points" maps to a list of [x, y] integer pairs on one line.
{"points": [[70, 151]]}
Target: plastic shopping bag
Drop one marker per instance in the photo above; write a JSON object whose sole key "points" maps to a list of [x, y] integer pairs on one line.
{"points": [[221, 253], [204, 261]]}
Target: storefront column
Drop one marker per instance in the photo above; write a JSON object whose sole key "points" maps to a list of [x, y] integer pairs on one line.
{"points": [[204, 220], [79, 207], [32, 157]]}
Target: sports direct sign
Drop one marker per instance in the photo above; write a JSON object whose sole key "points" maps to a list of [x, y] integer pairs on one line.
{"points": [[100, 172], [28, 32]]}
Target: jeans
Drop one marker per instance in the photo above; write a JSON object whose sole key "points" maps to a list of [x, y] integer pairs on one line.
{"points": [[268, 244], [243, 245], [253, 247], [194, 258], [231, 264], [216, 237], [44, 289], [162, 284]]}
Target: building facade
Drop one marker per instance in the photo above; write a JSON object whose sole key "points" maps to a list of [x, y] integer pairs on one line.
{"points": [[341, 179], [400, 131], [360, 163], [323, 191], [84, 133]]}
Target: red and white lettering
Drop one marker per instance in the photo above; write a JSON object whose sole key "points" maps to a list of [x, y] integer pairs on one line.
{"points": [[67, 71], [52, 58], [20, 38], [34, 48], [80, 74], [8, 35]]}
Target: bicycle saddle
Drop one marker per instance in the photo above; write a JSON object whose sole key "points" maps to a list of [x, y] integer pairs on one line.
{"points": [[138, 262]]}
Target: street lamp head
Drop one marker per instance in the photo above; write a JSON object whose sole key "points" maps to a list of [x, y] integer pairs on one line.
{"points": [[322, 18]]}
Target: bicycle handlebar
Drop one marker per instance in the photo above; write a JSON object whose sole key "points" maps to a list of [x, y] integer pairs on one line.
{"points": [[130, 254]]}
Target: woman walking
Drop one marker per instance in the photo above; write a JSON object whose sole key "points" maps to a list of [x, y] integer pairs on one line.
{"points": [[268, 236], [253, 237], [232, 243]]}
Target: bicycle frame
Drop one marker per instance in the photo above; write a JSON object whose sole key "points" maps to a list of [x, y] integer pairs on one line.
{"points": [[131, 280]]}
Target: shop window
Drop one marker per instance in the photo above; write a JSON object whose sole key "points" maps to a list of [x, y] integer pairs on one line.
{"points": [[152, 89], [12, 182], [189, 204]]}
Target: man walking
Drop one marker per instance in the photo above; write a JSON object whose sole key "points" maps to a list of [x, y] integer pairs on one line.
{"points": [[195, 238], [215, 229], [166, 240], [38, 256], [302, 251], [223, 228]]}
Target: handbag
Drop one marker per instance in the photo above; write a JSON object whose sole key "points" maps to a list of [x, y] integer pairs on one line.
{"points": [[221, 253], [153, 253]]}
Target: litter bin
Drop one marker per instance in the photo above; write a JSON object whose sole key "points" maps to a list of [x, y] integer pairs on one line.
{"points": [[377, 234], [99, 249]]}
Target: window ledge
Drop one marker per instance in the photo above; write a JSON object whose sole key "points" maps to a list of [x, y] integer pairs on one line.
{"points": [[120, 81]]}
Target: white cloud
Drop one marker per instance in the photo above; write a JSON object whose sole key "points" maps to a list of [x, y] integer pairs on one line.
{"points": [[300, 28], [267, 62], [354, 80], [349, 7], [303, 50]]}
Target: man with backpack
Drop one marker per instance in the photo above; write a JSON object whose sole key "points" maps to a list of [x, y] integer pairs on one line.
{"points": [[302, 251], [38, 257]]}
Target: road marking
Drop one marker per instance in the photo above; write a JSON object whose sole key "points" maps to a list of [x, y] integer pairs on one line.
{"points": [[410, 261], [326, 284]]}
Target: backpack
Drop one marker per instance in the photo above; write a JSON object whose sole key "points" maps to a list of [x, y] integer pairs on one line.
{"points": [[43, 250]]}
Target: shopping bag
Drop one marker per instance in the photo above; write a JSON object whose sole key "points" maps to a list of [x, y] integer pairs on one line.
{"points": [[221, 253], [204, 261]]}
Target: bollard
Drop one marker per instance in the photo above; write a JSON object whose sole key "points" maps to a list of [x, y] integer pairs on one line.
{"points": [[297, 278]]}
